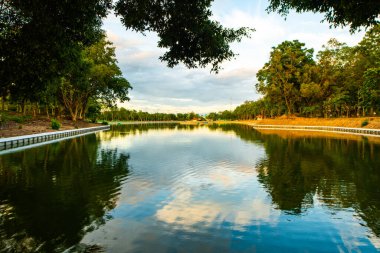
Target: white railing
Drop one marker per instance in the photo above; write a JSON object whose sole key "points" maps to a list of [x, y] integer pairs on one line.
{"points": [[347, 130], [24, 140]]}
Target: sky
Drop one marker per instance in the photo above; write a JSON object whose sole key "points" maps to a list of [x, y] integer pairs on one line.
{"points": [[157, 88]]}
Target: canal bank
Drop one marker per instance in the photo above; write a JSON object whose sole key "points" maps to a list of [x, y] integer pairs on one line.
{"points": [[27, 140], [47, 137], [342, 130], [352, 126]]}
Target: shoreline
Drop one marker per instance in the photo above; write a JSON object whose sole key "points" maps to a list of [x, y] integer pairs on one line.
{"points": [[336, 125], [326, 129], [112, 123], [257, 124], [27, 141], [40, 125]]}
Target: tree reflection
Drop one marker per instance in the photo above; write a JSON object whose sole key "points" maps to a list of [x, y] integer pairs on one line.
{"points": [[138, 129], [341, 173], [52, 195]]}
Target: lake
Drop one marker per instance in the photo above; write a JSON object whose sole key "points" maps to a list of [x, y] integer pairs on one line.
{"points": [[174, 188]]}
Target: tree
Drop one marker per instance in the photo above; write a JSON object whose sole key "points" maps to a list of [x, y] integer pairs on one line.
{"points": [[312, 94], [95, 76], [93, 110], [369, 46], [351, 13], [334, 77], [106, 82], [369, 92], [40, 38], [280, 79], [249, 110]]}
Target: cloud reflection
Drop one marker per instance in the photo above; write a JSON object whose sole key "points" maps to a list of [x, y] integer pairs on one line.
{"points": [[236, 199]]}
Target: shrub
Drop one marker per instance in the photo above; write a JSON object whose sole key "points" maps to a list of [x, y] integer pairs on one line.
{"points": [[364, 123], [3, 121], [55, 124], [17, 119], [93, 112], [104, 123], [3, 118]]}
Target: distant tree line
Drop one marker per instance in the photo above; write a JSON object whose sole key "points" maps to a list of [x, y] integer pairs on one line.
{"points": [[343, 81], [122, 114]]}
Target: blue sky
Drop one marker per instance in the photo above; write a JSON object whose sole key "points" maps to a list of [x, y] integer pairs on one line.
{"points": [[157, 88]]}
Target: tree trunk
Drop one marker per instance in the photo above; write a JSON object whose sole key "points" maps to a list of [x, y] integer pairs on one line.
{"points": [[80, 113], [58, 112], [34, 109], [84, 107], [288, 105], [3, 103], [47, 112], [23, 107], [74, 114]]}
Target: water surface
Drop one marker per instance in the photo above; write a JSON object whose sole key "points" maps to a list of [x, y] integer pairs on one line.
{"points": [[172, 188]]}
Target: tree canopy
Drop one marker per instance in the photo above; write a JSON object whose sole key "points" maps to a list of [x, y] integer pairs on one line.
{"points": [[97, 77], [288, 69], [184, 28], [38, 37], [352, 13]]}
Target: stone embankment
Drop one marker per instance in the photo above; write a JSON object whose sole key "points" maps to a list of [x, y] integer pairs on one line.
{"points": [[345, 130], [25, 140]]}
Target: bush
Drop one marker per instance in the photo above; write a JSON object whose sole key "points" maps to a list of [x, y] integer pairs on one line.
{"points": [[17, 119], [364, 123], [4, 121], [55, 124], [3, 118], [104, 123], [93, 112]]}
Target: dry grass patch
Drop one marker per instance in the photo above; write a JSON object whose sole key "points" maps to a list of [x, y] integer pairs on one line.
{"points": [[40, 125], [373, 122]]}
